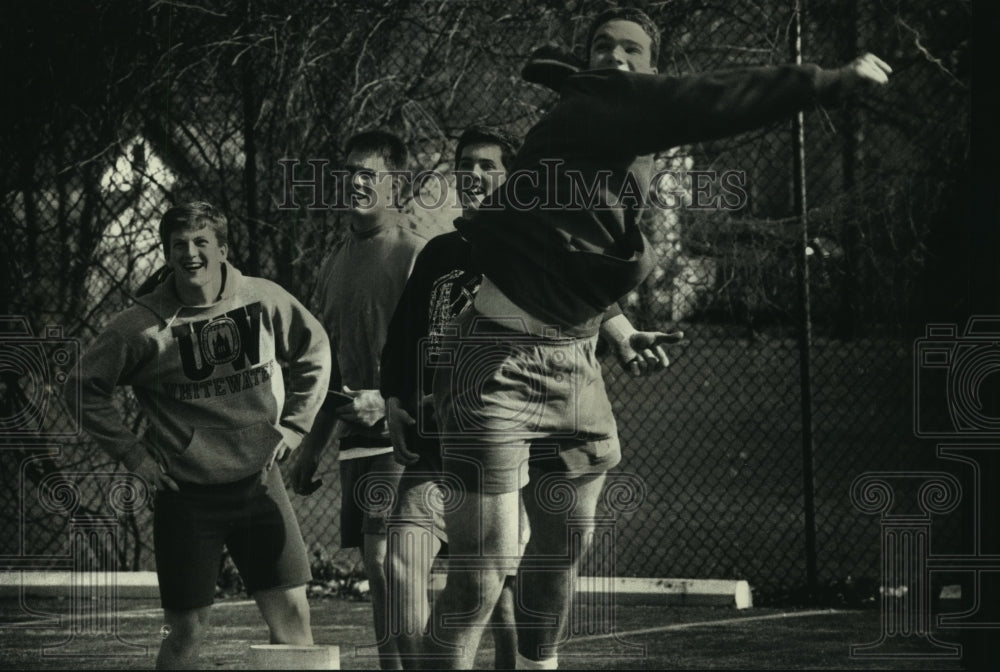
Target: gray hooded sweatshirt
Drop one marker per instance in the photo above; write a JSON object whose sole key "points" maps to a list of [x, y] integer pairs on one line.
{"points": [[208, 379]]}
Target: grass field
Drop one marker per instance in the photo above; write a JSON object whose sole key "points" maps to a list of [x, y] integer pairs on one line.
{"points": [[638, 637], [716, 442]]}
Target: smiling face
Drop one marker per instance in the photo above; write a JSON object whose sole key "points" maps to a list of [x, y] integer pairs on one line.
{"points": [[481, 167], [196, 257], [623, 45], [371, 190]]}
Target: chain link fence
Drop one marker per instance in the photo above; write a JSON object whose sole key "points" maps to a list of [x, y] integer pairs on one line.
{"points": [[127, 108]]}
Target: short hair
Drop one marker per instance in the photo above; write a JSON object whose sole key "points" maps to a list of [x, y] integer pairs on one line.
{"points": [[194, 216], [382, 143], [489, 135], [635, 16]]}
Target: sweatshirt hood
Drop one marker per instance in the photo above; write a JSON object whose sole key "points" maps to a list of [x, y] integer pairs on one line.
{"points": [[166, 305]]}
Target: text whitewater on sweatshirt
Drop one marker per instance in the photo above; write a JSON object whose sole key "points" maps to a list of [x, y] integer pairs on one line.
{"points": [[208, 379]]}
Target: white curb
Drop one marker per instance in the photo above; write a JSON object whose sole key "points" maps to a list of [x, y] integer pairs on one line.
{"points": [[125, 585], [626, 590]]}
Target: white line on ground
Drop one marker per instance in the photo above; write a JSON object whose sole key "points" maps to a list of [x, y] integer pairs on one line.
{"points": [[703, 624], [156, 611], [121, 614]]}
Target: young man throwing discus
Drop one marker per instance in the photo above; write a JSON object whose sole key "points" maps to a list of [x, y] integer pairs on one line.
{"points": [[521, 403]]}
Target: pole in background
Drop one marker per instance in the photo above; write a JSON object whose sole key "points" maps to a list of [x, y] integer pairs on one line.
{"points": [[805, 316]]}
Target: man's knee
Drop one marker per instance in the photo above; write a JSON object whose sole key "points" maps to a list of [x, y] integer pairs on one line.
{"points": [[295, 610], [185, 629], [554, 529], [406, 574], [476, 588], [286, 612], [410, 547], [374, 558], [503, 612]]}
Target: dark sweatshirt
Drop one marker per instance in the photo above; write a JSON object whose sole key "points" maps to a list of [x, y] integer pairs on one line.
{"points": [[443, 283], [563, 259]]}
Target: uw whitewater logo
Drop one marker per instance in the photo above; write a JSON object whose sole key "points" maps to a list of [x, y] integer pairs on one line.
{"points": [[220, 341], [232, 338]]}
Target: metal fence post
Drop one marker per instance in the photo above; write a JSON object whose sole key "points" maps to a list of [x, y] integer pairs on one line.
{"points": [[251, 108], [805, 318]]}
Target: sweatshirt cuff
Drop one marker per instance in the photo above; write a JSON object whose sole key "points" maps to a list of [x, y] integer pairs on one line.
{"points": [[291, 437], [617, 329], [829, 84], [614, 310]]}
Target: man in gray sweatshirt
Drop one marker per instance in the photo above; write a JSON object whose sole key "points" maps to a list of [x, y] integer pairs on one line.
{"points": [[202, 353]]}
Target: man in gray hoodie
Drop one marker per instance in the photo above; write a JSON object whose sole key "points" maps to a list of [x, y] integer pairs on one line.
{"points": [[202, 353]]}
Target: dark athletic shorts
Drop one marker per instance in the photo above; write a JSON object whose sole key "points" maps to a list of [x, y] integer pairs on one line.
{"points": [[503, 397], [251, 517], [369, 489]]}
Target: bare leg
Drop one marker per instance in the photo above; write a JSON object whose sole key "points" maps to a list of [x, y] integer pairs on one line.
{"points": [[546, 594], [412, 550], [482, 542], [374, 556], [182, 645], [504, 627], [504, 619], [286, 612]]}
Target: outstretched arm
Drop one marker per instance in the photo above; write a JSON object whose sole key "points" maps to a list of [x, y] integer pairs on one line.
{"points": [[643, 113]]}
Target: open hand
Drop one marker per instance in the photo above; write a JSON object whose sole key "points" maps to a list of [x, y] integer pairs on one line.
{"points": [[366, 409], [643, 352], [868, 69]]}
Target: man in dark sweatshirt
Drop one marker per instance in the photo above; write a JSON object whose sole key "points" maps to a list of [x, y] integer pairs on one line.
{"points": [[202, 353], [560, 244], [443, 283]]}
